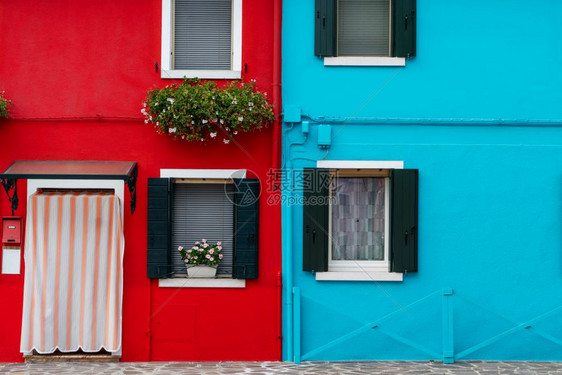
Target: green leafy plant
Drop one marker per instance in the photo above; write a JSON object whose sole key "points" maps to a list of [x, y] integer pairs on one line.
{"points": [[202, 253], [4, 104], [196, 111]]}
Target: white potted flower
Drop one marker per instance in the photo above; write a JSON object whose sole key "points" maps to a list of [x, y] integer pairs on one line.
{"points": [[202, 259]]}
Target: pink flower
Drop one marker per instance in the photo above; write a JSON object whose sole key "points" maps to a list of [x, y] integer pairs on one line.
{"points": [[189, 251], [197, 242], [219, 243], [194, 257], [203, 240], [211, 259], [180, 248], [206, 245], [220, 256], [208, 256], [219, 247]]}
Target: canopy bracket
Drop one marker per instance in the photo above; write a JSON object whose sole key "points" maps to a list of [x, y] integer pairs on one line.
{"points": [[9, 184]]}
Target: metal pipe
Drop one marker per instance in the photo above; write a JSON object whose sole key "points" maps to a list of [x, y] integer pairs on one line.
{"points": [[437, 121], [276, 134]]}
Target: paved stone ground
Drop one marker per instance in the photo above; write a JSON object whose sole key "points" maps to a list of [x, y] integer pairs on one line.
{"points": [[263, 368]]}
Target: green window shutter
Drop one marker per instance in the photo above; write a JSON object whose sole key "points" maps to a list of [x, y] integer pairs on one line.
{"points": [[404, 220], [325, 28], [159, 235], [316, 193], [404, 28], [246, 228]]}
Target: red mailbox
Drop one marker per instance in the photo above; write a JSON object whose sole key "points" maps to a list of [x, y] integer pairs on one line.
{"points": [[11, 231]]}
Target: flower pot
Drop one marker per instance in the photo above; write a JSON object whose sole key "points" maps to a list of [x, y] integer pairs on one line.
{"points": [[201, 271]]}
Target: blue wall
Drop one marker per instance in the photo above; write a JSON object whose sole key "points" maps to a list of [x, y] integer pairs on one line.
{"points": [[478, 113]]}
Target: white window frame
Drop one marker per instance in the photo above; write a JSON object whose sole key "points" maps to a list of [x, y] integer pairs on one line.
{"points": [[364, 61], [361, 270], [181, 282], [367, 265], [368, 60], [167, 72]]}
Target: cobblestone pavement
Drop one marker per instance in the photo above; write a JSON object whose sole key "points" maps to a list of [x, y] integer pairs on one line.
{"points": [[263, 368]]}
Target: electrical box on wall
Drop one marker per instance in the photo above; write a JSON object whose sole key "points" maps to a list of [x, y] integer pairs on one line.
{"points": [[11, 231], [11, 245]]}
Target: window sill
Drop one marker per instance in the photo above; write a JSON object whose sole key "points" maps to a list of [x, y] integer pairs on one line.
{"points": [[364, 61], [205, 74], [184, 282], [359, 276]]}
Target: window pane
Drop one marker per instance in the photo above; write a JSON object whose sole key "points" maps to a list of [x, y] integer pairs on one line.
{"points": [[202, 37], [363, 27], [202, 211], [358, 213]]}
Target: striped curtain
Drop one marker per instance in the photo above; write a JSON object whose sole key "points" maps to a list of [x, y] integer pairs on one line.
{"points": [[73, 279]]}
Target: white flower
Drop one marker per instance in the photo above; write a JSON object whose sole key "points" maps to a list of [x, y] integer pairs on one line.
{"points": [[234, 132], [204, 121], [156, 103], [221, 121], [171, 100], [235, 101], [241, 118], [144, 104], [251, 104], [146, 121], [226, 141], [143, 111], [172, 130], [213, 135]]}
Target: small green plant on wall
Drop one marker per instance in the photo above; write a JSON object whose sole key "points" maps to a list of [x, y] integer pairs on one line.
{"points": [[197, 111], [4, 104]]}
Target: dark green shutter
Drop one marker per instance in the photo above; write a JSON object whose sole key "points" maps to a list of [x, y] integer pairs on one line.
{"points": [[159, 234], [404, 220], [246, 228], [316, 194], [325, 28], [404, 28]]}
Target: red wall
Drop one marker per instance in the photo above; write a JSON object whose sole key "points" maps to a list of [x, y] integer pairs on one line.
{"points": [[77, 72]]}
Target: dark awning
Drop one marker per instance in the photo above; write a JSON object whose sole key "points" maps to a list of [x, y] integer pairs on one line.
{"points": [[69, 169]]}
